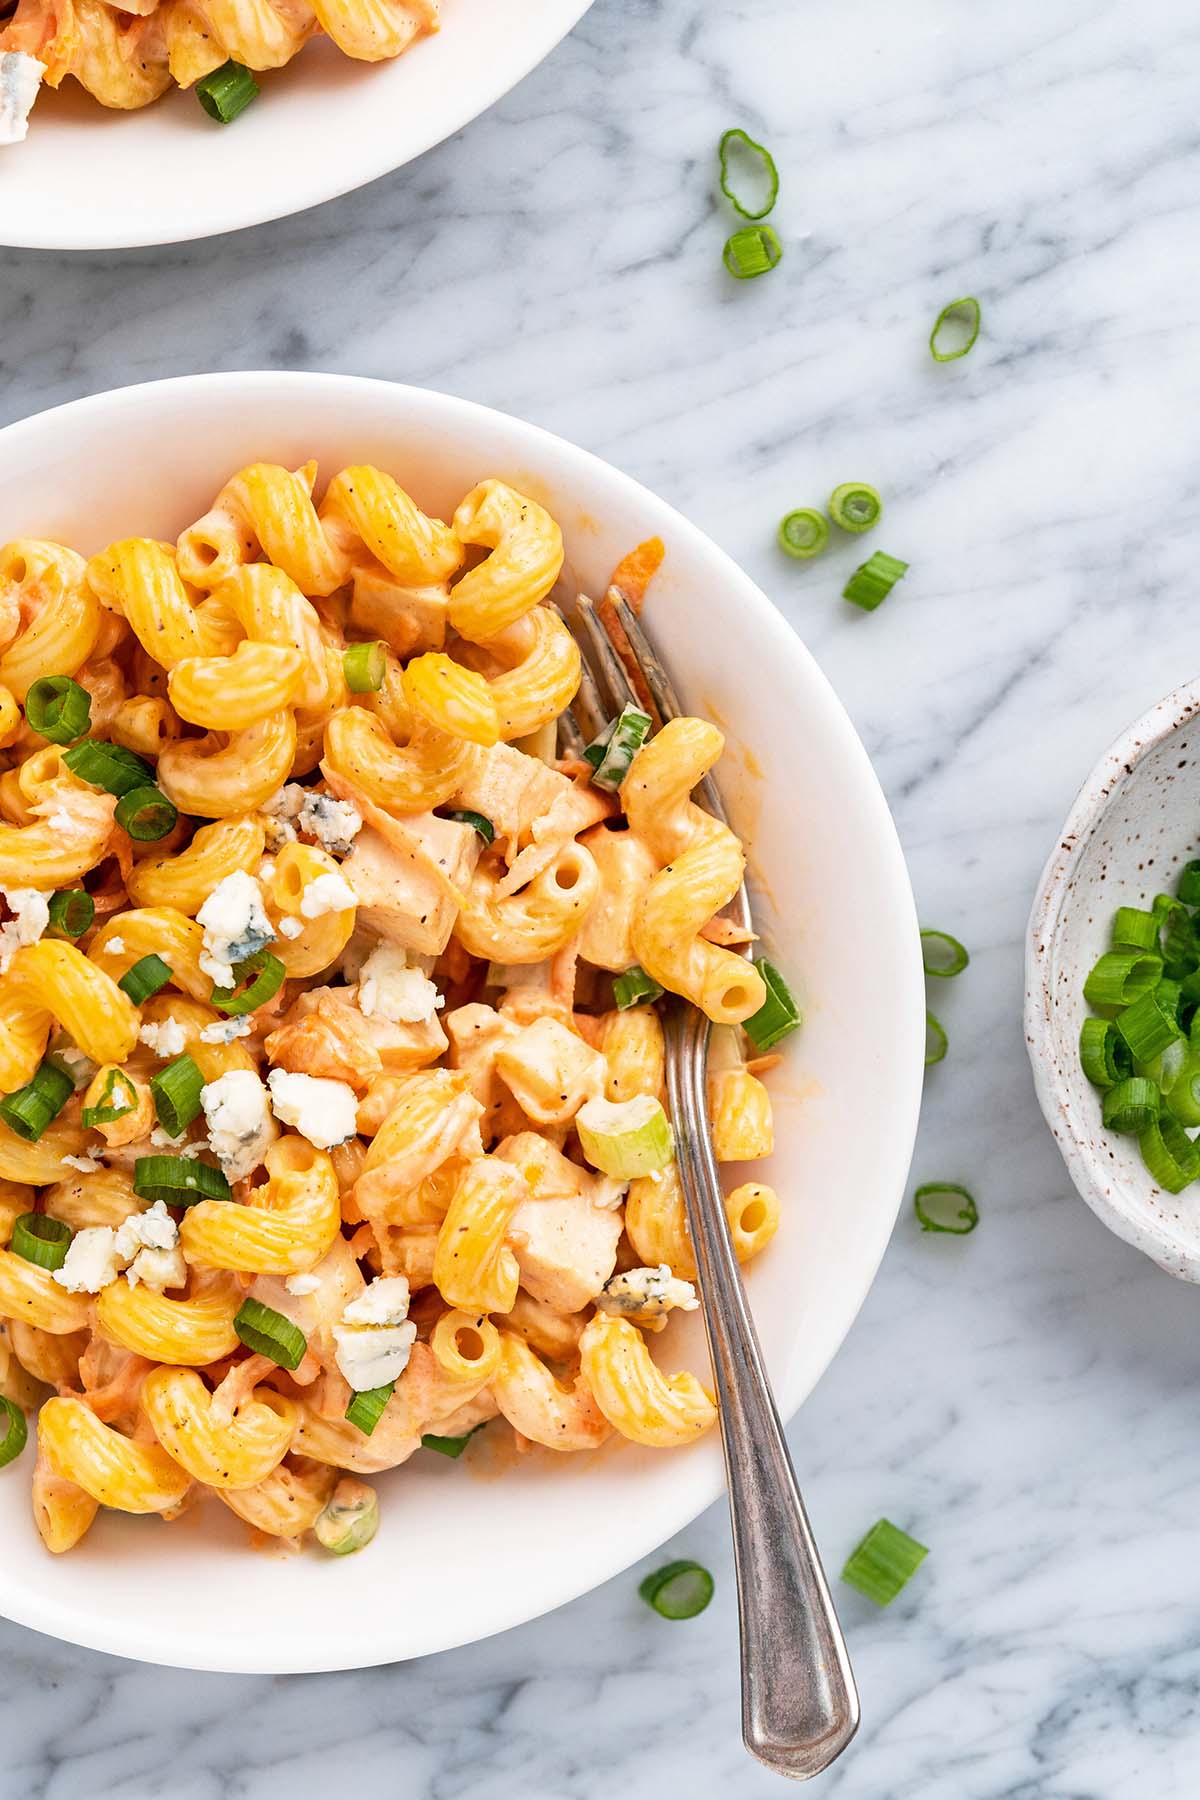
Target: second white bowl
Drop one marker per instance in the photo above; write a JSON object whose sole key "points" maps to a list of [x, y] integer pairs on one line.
{"points": [[1134, 822]]}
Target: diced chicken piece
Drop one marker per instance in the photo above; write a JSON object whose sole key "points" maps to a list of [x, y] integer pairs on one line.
{"points": [[626, 866], [410, 620], [565, 1244], [477, 1032], [324, 1036], [409, 882], [339, 1283], [510, 789], [551, 1071]]}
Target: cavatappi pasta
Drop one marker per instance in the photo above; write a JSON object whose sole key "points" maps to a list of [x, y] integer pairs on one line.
{"points": [[127, 57], [332, 1111]]}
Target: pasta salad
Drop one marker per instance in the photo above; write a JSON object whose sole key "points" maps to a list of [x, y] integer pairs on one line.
{"points": [[332, 1122]]}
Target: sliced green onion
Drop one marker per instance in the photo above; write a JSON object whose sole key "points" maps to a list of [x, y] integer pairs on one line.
{"points": [[1104, 1053], [269, 1333], [176, 1091], [146, 814], [1181, 1092], [1163, 1067], [227, 92], [884, 1562], [16, 1434], [855, 507], [736, 136], [633, 986], [58, 708], [477, 822], [1169, 1154], [71, 912], [938, 1203], [621, 744], [1122, 976], [803, 533], [145, 977], [349, 1519], [1151, 1023], [268, 973], [956, 329], [30, 1109], [680, 1590], [109, 766], [450, 1446], [1135, 929], [942, 954], [119, 1097], [178, 1180], [364, 666], [1131, 1105], [936, 1041], [873, 581], [1177, 939], [41, 1240], [625, 1138], [1188, 885], [751, 252], [367, 1407], [778, 1015]]}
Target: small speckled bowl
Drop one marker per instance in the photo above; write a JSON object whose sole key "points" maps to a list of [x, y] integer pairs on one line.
{"points": [[1135, 821]]}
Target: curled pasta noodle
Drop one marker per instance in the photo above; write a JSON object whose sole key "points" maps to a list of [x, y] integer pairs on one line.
{"points": [[415, 777], [633, 1049], [367, 505], [454, 700], [66, 618], [632, 1392], [113, 1469], [703, 870], [233, 1452], [161, 931], [467, 1347], [287, 1503], [51, 981], [542, 678], [52, 1357], [66, 834], [287, 1225], [540, 1407], [62, 1511], [192, 1331], [753, 1214], [320, 941], [214, 781], [33, 1297], [95, 1197], [184, 880], [529, 926], [526, 557], [38, 1163], [140, 579], [473, 1266]]}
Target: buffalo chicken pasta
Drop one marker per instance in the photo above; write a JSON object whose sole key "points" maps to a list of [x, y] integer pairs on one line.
{"points": [[332, 1114], [127, 57]]}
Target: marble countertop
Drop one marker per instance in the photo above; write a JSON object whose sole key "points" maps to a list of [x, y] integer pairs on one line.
{"points": [[1014, 1398]]}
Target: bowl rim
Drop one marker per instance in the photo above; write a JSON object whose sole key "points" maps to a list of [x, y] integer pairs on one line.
{"points": [[546, 27], [120, 1636], [1107, 776]]}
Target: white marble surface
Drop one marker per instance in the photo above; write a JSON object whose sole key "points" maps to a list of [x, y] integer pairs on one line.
{"points": [[1022, 1400]]}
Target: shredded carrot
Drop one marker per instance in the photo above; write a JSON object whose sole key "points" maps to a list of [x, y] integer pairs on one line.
{"points": [[758, 1065], [634, 573], [723, 931], [630, 579]]}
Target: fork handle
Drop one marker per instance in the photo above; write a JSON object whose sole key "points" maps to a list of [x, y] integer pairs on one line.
{"points": [[799, 1700]]}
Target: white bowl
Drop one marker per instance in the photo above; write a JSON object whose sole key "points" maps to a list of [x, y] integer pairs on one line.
{"points": [[1131, 827], [461, 1552], [90, 179]]}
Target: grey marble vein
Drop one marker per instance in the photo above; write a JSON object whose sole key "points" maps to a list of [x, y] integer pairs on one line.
{"points": [[1023, 1400]]}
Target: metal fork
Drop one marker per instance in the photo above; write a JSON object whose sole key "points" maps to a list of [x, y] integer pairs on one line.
{"points": [[799, 1701]]}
